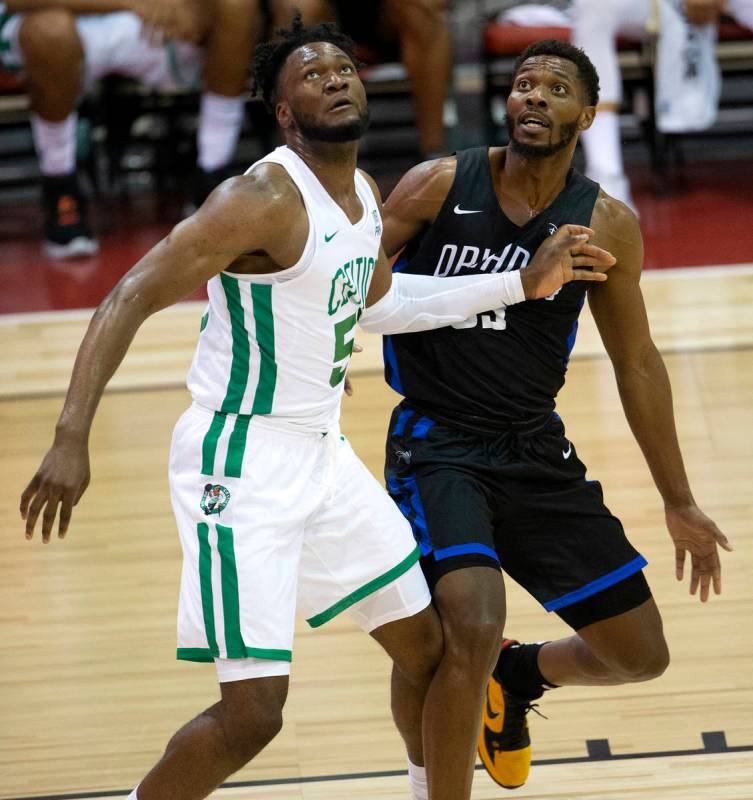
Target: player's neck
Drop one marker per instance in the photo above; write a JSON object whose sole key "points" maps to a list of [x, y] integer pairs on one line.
{"points": [[535, 181], [333, 163]]}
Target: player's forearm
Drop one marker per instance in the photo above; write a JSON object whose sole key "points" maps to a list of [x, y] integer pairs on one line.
{"points": [[104, 346], [422, 302], [646, 397]]}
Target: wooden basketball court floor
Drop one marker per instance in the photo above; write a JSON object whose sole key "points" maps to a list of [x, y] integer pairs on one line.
{"points": [[89, 688]]}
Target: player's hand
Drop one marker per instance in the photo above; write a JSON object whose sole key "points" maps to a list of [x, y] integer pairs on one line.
{"points": [[566, 256], [348, 385], [59, 483], [703, 12], [693, 532]]}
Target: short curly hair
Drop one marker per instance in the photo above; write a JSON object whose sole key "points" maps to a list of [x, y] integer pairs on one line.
{"points": [[270, 57], [552, 47]]}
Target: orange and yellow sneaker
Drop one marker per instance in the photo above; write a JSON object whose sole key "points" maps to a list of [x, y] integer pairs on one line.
{"points": [[504, 744]]}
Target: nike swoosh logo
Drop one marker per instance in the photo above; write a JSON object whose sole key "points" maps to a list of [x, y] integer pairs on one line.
{"points": [[489, 712], [567, 453], [459, 210], [331, 236]]}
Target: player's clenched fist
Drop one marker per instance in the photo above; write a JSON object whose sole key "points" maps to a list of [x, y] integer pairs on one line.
{"points": [[566, 256]]}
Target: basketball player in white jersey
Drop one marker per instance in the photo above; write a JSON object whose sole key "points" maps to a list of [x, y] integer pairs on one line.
{"points": [[274, 510]]}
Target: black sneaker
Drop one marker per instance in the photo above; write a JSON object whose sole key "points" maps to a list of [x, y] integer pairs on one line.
{"points": [[66, 233]]}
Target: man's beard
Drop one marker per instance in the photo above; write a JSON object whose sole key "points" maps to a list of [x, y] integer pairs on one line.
{"points": [[567, 133], [345, 132]]}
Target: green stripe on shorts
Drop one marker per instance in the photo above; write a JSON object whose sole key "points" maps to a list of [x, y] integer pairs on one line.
{"points": [[209, 445], [237, 446], [205, 580], [234, 644], [203, 655], [366, 590]]}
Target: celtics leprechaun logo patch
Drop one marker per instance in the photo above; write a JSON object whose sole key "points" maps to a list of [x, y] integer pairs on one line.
{"points": [[214, 499]]}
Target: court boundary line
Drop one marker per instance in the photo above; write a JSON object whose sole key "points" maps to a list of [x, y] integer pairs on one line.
{"points": [[47, 394], [78, 314], [597, 750]]}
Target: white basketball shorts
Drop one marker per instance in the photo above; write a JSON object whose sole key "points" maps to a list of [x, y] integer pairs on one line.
{"points": [[113, 44], [272, 521]]}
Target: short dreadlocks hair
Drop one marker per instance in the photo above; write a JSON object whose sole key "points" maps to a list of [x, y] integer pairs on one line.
{"points": [[552, 47], [270, 57]]}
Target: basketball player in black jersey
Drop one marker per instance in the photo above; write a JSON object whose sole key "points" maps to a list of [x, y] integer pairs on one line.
{"points": [[477, 458]]}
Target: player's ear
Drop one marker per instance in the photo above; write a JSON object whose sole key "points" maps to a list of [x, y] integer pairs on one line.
{"points": [[283, 114], [586, 118]]}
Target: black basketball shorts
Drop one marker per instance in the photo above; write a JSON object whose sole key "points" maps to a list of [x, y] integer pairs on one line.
{"points": [[519, 501]]}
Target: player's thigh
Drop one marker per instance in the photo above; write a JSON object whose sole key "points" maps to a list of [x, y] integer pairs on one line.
{"points": [[556, 536], [359, 553], [114, 43]]}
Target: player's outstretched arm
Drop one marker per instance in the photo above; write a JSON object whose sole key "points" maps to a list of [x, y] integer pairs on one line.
{"points": [[405, 303], [646, 395], [236, 219]]}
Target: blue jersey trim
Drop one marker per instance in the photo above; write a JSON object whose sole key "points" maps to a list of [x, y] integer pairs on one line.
{"points": [[400, 263], [422, 427], [464, 550], [404, 491], [605, 581], [391, 371]]}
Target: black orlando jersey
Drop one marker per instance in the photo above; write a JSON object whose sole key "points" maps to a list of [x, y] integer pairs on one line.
{"points": [[503, 366]]}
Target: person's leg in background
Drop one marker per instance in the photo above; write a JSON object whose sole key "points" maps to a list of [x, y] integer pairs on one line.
{"points": [[53, 64], [596, 24], [234, 31], [424, 36]]}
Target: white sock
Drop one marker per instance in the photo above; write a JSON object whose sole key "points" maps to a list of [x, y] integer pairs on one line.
{"points": [[133, 795], [603, 146], [55, 143], [419, 788], [220, 120]]}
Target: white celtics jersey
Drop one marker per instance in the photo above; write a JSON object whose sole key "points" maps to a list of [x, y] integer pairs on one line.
{"points": [[279, 344]]}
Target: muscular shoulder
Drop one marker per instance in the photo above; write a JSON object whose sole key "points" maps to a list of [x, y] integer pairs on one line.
{"points": [[262, 210], [426, 184], [264, 191], [616, 229]]}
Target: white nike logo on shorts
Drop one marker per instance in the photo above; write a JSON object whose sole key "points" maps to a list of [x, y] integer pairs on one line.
{"points": [[567, 453], [459, 210]]}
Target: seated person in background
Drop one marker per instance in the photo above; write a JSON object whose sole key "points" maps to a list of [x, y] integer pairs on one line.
{"points": [[63, 46], [418, 26], [687, 74]]}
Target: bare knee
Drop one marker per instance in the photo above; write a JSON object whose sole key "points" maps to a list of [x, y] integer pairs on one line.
{"points": [[641, 662], [471, 605], [49, 34], [247, 731], [250, 716]]}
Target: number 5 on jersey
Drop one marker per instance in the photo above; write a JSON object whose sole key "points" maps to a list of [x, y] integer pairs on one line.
{"points": [[343, 347]]}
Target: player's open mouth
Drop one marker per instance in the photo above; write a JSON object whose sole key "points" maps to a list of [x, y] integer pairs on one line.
{"points": [[532, 121], [343, 102]]}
